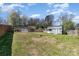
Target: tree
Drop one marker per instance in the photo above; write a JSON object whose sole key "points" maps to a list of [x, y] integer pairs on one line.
{"points": [[33, 24], [33, 21], [49, 20], [24, 20], [14, 19], [41, 24], [67, 23]]}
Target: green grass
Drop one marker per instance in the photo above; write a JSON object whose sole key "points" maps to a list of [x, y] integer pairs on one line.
{"points": [[43, 44], [6, 44]]}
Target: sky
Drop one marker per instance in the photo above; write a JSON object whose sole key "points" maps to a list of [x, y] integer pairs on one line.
{"points": [[41, 10]]}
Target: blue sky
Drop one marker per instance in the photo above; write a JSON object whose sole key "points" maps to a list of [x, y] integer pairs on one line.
{"points": [[40, 10]]}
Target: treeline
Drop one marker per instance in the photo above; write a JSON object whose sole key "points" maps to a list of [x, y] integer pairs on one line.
{"points": [[16, 19]]}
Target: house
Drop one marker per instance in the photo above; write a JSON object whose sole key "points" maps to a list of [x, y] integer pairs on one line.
{"points": [[54, 30]]}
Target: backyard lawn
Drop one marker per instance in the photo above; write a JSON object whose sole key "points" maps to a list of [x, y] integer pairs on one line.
{"points": [[43, 44]]}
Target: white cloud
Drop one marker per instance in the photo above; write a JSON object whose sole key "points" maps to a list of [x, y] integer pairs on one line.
{"points": [[8, 8], [56, 5], [18, 5], [35, 15], [31, 4], [62, 6], [65, 5], [76, 19], [48, 10], [1, 4], [59, 11], [59, 5], [70, 12], [50, 4]]}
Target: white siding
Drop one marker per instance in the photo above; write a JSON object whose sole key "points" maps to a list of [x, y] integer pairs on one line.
{"points": [[54, 30], [24, 30]]}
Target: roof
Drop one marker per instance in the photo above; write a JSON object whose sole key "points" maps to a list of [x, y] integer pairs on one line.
{"points": [[55, 27]]}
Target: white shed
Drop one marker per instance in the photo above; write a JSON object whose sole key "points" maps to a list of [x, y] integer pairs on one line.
{"points": [[54, 30], [24, 30]]}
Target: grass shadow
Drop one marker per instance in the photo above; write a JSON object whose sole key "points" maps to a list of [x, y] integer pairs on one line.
{"points": [[6, 44]]}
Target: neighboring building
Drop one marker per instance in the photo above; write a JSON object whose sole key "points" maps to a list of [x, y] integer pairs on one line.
{"points": [[54, 30], [74, 32]]}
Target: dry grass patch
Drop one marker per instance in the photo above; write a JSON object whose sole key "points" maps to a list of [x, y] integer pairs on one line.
{"points": [[44, 40], [38, 43]]}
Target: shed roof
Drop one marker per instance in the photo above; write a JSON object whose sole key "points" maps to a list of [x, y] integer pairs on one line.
{"points": [[55, 27]]}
